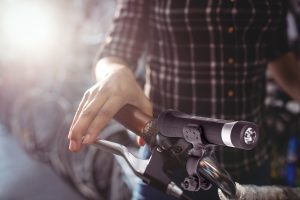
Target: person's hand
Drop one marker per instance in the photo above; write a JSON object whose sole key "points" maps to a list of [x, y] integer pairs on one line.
{"points": [[116, 87]]}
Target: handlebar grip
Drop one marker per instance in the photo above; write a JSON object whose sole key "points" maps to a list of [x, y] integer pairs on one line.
{"points": [[138, 122], [238, 134], [133, 119]]}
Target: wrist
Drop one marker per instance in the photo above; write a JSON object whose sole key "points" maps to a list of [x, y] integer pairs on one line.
{"points": [[110, 65]]}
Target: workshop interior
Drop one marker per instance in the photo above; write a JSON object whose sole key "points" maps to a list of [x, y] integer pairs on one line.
{"points": [[47, 56]]}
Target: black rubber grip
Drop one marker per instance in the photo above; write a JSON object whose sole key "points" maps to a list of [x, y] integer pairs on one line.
{"points": [[238, 134]]}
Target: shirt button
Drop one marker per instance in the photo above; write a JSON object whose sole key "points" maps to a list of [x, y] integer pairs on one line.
{"points": [[231, 29], [231, 61], [230, 93]]}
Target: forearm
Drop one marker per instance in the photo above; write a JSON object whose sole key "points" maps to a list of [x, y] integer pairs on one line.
{"points": [[286, 72]]}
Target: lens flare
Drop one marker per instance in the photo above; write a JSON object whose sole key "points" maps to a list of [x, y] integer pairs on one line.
{"points": [[28, 26]]}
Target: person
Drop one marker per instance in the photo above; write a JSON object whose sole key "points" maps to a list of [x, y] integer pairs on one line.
{"points": [[205, 58]]}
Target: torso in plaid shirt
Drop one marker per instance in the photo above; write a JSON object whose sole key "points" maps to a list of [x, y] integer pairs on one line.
{"points": [[204, 57]]}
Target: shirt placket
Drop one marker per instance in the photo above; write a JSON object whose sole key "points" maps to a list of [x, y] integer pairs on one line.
{"points": [[230, 32]]}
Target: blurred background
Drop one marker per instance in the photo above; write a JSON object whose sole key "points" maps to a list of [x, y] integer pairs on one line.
{"points": [[47, 51]]}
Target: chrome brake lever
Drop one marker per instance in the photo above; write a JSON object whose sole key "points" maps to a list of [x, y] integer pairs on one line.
{"points": [[137, 165], [144, 169]]}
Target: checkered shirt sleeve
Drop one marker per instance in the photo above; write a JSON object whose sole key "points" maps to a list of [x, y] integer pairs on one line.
{"points": [[127, 37]]}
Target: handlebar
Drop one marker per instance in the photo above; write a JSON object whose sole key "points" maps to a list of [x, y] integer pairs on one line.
{"points": [[133, 119], [238, 134], [182, 141], [138, 122]]}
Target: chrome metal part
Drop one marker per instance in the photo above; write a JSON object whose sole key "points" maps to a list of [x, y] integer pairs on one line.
{"points": [[226, 133], [174, 190], [137, 165], [210, 170]]}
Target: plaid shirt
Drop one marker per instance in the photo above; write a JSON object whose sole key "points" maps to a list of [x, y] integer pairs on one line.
{"points": [[204, 57]]}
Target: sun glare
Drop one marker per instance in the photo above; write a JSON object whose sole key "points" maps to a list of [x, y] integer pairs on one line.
{"points": [[28, 26]]}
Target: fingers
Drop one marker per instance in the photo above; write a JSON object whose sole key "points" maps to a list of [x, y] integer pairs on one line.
{"points": [[85, 114], [78, 111], [140, 141], [102, 102], [104, 115], [147, 107], [93, 115]]}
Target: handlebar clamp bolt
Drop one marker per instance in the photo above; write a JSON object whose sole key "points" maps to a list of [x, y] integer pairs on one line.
{"points": [[191, 183], [205, 185], [177, 149]]}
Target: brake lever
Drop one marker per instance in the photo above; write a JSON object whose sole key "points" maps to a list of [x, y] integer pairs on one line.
{"points": [[150, 171], [138, 166]]}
